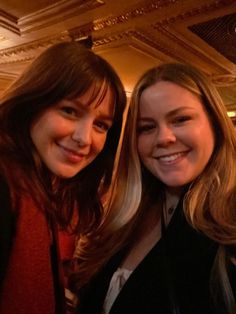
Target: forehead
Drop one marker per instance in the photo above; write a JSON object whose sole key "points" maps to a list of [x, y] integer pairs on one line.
{"points": [[97, 94], [167, 96], [100, 101]]}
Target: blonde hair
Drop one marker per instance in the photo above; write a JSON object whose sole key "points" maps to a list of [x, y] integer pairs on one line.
{"points": [[209, 203]]}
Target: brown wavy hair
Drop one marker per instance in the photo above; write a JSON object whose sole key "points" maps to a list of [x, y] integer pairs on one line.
{"points": [[65, 70]]}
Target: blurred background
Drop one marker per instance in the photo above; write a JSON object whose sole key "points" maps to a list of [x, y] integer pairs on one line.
{"points": [[132, 35]]}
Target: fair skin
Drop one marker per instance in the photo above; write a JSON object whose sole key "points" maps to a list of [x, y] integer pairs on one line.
{"points": [[70, 135], [175, 143], [175, 136]]}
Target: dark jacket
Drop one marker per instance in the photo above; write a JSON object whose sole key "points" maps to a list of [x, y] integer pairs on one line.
{"points": [[175, 274]]}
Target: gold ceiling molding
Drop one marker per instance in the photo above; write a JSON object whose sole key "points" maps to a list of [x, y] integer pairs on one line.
{"points": [[81, 31], [29, 51], [167, 33], [6, 76], [2, 37], [153, 43], [143, 10], [224, 80], [197, 11], [54, 13], [158, 44], [101, 24], [101, 41], [152, 31], [9, 22], [48, 16], [98, 41]]}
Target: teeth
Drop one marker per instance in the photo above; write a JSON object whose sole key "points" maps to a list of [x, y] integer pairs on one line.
{"points": [[170, 158]]}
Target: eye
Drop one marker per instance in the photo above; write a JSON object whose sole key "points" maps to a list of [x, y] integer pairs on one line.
{"points": [[68, 110], [181, 119], [102, 126], [145, 128]]}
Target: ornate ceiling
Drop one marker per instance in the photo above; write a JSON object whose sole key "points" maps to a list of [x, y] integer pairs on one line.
{"points": [[133, 35]]}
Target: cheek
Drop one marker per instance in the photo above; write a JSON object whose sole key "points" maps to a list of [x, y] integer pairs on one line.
{"points": [[44, 127], [99, 143], [139, 147], [210, 145], [35, 133], [143, 147], [206, 140]]}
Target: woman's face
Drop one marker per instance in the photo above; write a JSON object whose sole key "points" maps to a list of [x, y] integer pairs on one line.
{"points": [[175, 136], [70, 135]]}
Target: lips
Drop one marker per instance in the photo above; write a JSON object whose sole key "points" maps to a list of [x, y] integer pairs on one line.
{"points": [[71, 155], [170, 158]]}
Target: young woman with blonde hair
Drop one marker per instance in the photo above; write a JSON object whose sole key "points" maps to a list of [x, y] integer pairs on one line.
{"points": [[167, 242]]}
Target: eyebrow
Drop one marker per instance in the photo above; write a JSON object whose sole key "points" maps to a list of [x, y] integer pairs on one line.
{"points": [[86, 107], [107, 118], [169, 114]]}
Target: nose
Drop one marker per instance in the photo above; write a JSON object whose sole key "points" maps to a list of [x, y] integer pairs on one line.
{"points": [[83, 133], [165, 135]]}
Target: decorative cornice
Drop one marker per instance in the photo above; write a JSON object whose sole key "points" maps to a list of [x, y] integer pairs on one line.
{"points": [[197, 11], [224, 80], [161, 46], [101, 41], [28, 52], [6, 76], [188, 47], [141, 37], [82, 31], [2, 37], [97, 25], [9, 22], [47, 16], [154, 43], [163, 27], [54, 13], [143, 10]]}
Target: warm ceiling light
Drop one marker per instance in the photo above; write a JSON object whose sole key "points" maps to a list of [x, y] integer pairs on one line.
{"points": [[128, 93], [231, 114]]}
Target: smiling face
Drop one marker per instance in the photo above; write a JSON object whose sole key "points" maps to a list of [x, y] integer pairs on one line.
{"points": [[70, 135], [175, 136]]}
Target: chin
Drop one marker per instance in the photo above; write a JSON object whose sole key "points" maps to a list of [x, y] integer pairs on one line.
{"points": [[175, 183], [66, 174]]}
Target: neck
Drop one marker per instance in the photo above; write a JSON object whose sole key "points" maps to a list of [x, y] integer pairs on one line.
{"points": [[172, 196]]}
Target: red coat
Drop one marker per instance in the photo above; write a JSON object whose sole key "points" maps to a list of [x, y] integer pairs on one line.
{"points": [[29, 282]]}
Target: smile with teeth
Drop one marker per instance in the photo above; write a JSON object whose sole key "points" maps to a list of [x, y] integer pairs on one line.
{"points": [[171, 158]]}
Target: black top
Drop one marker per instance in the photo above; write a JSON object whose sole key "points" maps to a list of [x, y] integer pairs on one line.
{"points": [[172, 279]]}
